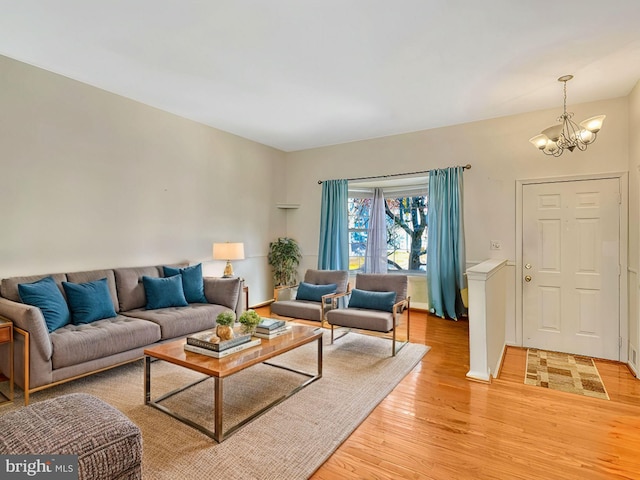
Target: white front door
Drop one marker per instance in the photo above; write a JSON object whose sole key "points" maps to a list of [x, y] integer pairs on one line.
{"points": [[571, 267]]}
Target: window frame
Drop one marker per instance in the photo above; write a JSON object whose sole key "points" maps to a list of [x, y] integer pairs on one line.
{"points": [[392, 188]]}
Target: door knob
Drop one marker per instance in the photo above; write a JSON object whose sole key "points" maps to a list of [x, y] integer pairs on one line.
{"points": [[527, 278]]}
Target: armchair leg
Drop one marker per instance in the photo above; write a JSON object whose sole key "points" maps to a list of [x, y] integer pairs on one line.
{"points": [[26, 364], [408, 320], [395, 350], [393, 342], [347, 330]]}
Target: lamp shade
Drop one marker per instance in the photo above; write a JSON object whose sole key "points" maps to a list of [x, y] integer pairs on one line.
{"points": [[228, 251], [553, 132], [540, 141], [593, 124]]}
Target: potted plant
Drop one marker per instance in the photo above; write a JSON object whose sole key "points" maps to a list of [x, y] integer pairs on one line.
{"points": [[225, 322], [284, 256], [249, 320]]}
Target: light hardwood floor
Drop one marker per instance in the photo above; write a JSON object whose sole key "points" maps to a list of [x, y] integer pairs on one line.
{"points": [[436, 424]]}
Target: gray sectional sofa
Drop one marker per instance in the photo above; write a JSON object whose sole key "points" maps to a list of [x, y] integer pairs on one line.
{"points": [[43, 359]]}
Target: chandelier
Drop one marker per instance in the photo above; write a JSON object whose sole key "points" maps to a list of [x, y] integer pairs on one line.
{"points": [[567, 135]]}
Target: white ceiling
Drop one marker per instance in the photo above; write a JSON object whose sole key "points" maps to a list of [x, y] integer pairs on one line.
{"points": [[296, 74]]}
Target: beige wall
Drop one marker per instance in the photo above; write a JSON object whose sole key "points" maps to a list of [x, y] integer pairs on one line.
{"points": [[91, 179], [499, 153], [634, 226]]}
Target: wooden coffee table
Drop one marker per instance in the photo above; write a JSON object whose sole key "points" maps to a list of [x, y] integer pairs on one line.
{"points": [[220, 369]]}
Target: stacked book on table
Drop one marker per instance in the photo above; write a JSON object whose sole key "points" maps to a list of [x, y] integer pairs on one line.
{"points": [[201, 343], [271, 328]]}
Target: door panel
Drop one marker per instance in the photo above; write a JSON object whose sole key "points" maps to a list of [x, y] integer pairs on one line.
{"points": [[550, 314], [571, 242], [550, 241]]}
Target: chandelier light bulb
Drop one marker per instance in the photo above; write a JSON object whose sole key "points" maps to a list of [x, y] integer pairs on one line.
{"points": [[587, 137], [551, 148]]}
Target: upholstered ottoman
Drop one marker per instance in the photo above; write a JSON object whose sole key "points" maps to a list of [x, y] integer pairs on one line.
{"points": [[108, 444]]}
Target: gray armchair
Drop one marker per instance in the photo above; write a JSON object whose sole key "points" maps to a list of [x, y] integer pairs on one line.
{"points": [[376, 303], [311, 299]]}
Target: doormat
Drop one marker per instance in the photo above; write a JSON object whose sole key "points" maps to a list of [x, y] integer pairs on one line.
{"points": [[564, 372]]}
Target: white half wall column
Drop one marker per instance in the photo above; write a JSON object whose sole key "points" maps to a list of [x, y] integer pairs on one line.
{"points": [[487, 284]]}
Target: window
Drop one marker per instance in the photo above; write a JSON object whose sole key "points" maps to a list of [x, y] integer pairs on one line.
{"points": [[358, 225], [406, 215]]}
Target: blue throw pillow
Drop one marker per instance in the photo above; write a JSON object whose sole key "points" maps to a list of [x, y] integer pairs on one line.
{"points": [[164, 292], [46, 295], [314, 293], [192, 282], [89, 301], [372, 300]]}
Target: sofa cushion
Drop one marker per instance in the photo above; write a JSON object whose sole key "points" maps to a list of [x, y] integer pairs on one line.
{"points": [[372, 300], [324, 277], [297, 309], [223, 291], [75, 344], [9, 286], [177, 322], [46, 295], [89, 301], [375, 320], [129, 286], [192, 282], [91, 275], [314, 293], [164, 292], [379, 282]]}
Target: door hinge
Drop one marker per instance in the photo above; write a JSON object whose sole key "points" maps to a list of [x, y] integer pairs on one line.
{"points": [[619, 342], [619, 198]]}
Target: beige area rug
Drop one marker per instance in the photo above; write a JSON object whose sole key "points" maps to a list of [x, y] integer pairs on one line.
{"points": [[565, 372], [289, 441]]}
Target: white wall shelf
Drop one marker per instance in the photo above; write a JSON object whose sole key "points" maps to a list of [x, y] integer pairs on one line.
{"points": [[288, 206]]}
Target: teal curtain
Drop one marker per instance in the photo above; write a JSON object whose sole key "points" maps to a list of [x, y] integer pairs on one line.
{"points": [[446, 261], [334, 226]]}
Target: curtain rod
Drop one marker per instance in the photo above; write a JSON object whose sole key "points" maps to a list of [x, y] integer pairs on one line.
{"points": [[465, 167]]}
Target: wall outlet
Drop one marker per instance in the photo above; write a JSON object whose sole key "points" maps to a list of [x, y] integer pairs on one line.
{"points": [[496, 245]]}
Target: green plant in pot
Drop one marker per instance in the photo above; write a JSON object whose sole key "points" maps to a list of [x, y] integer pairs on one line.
{"points": [[249, 320], [284, 257], [225, 322]]}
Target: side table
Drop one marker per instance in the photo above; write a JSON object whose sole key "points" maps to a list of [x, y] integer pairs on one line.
{"points": [[6, 336]]}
